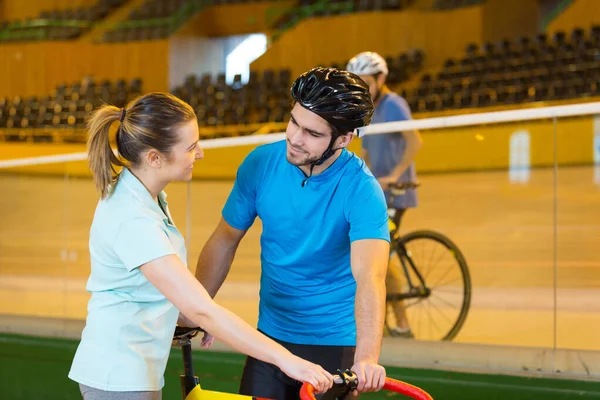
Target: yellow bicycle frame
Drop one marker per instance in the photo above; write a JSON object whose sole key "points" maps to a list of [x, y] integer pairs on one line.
{"points": [[200, 394]]}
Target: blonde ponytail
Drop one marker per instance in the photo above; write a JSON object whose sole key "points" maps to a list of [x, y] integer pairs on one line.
{"points": [[148, 122], [101, 158]]}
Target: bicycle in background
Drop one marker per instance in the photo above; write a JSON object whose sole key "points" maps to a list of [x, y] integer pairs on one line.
{"points": [[428, 281]]}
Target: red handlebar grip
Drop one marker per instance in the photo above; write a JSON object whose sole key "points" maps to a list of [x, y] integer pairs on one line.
{"points": [[307, 391], [406, 389]]}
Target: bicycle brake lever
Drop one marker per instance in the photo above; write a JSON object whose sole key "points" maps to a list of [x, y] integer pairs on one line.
{"points": [[343, 383]]}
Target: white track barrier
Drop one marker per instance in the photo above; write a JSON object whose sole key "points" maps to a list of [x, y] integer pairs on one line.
{"points": [[528, 114]]}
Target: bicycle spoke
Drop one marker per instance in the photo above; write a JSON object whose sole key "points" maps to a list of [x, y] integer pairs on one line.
{"points": [[440, 311], [427, 314], [414, 303], [443, 301], [460, 279], [422, 251], [431, 267], [456, 290], [442, 272], [431, 256], [426, 270], [427, 267], [443, 276], [430, 317]]}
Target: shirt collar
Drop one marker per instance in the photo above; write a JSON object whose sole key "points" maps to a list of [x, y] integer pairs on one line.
{"points": [[337, 165], [132, 184]]}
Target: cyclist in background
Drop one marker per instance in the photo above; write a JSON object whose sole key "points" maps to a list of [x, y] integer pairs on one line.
{"points": [[389, 156]]}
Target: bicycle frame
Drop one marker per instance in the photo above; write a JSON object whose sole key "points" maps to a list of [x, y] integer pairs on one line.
{"points": [[421, 291], [190, 383], [200, 394], [188, 380], [344, 381]]}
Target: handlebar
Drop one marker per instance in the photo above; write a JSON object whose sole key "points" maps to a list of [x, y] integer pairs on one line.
{"points": [[347, 381], [401, 187]]}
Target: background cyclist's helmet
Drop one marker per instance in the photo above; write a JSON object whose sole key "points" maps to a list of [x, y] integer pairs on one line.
{"points": [[339, 97], [367, 63]]}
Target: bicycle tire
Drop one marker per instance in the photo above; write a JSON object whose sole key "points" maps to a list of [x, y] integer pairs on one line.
{"points": [[458, 255]]}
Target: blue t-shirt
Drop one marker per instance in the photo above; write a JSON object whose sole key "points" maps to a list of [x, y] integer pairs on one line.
{"points": [[386, 150], [307, 289]]}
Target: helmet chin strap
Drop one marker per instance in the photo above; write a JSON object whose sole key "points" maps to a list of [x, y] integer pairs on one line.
{"points": [[326, 154]]}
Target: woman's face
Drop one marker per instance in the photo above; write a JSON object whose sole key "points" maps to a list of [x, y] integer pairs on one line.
{"points": [[184, 153]]}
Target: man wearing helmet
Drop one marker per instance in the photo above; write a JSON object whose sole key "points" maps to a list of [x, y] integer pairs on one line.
{"points": [[325, 238], [389, 156]]}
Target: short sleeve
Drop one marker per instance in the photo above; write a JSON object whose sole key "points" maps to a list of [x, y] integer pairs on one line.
{"points": [[240, 208], [141, 240], [367, 212], [398, 111]]}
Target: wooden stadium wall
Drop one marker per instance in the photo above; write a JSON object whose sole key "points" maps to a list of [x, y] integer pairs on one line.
{"points": [[23, 9], [36, 68], [326, 40], [441, 34], [235, 19], [580, 14], [198, 47], [509, 19]]}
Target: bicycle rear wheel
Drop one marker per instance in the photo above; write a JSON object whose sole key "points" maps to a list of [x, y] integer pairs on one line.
{"points": [[430, 274]]}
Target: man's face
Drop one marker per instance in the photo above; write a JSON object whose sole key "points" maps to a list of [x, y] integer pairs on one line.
{"points": [[375, 84], [307, 136]]}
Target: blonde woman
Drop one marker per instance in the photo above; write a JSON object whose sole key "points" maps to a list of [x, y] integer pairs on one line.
{"points": [[139, 280]]}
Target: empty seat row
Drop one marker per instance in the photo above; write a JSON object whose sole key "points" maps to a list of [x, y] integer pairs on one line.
{"points": [[538, 68], [64, 24]]}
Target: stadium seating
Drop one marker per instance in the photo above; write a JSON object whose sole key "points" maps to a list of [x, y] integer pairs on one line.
{"points": [[562, 66], [157, 19], [66, 107], [65, 24], [401, 67], [317, 9], [527, 69], [452, 4], [152, 20], [265, 98]]}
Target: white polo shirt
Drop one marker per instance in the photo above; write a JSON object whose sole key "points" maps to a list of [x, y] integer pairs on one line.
{"points": [[127, 338]]}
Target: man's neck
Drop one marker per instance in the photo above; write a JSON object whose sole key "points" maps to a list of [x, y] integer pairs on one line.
{"points": [[384, 90], [320, 168]]}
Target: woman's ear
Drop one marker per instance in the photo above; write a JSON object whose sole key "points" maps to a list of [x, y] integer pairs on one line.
{"points": [[153, 158]]}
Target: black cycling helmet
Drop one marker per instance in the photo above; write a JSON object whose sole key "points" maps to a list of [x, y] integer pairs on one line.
{"points": [[339, 97]]}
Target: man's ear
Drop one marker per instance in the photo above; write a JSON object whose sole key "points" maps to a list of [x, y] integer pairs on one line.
{"points": [[344, 140]]}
